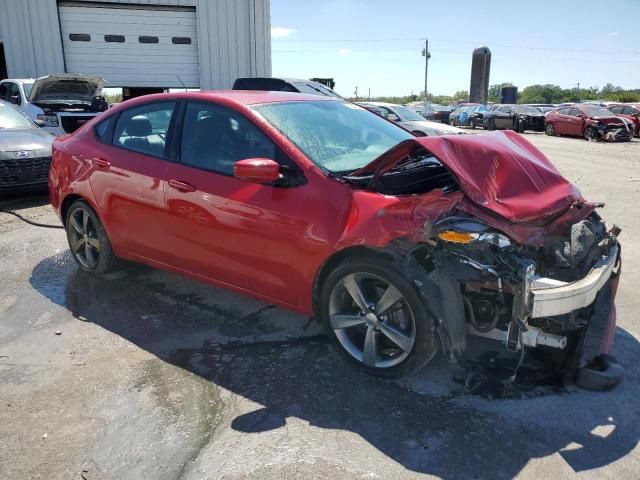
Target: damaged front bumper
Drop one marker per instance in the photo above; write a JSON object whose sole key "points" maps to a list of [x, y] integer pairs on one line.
{"points": [[543, 297], [548, 297]]}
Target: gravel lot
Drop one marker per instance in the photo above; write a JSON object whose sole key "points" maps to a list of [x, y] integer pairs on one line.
{"points": [[147, 375]]}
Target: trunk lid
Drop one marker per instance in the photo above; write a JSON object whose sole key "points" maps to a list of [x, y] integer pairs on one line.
{"points": [[499, 171]]}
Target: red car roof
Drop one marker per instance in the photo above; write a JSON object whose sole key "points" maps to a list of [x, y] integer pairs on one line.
{"points": [[245, 97]]}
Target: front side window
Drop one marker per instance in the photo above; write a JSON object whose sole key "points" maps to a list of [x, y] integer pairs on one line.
{"points": [[13, 93], [27, 89], [214, 138], [336, 136], [616, 109], [144, 129]]}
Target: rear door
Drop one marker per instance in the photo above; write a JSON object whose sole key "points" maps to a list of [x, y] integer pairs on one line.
{"points": [[129, 171], [232, 231]]}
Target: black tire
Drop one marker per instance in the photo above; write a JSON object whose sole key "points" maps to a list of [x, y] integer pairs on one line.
{"points": [[520, 125], [491, 124], [88, 241], [549, 129], [333, 292], [590, 134]]}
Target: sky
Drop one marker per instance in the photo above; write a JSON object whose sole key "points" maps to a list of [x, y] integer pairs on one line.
{"points": [[377, 44]]}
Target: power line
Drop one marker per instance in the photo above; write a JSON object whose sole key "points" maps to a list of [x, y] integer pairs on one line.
{"points": [[414, 51], [458, 42]]}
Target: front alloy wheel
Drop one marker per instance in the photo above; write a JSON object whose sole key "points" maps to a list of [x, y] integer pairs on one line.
{"points": [[372, 320], [376, 318], [590, 134]]}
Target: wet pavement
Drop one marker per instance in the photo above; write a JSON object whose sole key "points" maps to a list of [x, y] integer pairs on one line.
{"points": [[146, 374]]}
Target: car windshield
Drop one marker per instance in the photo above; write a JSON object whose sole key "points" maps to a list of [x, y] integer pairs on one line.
{"points": [[525, 109], [596, 112], [10, 118], [315, 89], [27, 88], [337, 136], [406, 114]]}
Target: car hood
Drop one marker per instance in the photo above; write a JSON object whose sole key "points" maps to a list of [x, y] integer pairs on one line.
{"points": [[28, 139], [498, 171], [609, 120], [60, 87], [431, 127]]}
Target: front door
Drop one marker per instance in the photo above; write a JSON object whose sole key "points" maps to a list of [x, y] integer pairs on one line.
{"points": [[235, 232]]}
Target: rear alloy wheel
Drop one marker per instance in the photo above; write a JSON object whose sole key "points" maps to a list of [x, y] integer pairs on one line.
{"points": [[549, 130], [590, 134], [376, 318], [88, 239]]}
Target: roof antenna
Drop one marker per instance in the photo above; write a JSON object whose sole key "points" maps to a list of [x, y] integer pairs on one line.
{"points": [[181, 82]]}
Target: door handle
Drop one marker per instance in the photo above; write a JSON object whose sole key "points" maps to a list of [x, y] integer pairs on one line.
{"points": [[101, 162], [182, 186]]}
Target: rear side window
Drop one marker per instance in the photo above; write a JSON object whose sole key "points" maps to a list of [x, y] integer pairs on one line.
{"points": [[144, 129], [214, 138], [102, 130]]}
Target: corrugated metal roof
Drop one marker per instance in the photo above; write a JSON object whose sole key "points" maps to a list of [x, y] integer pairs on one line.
{"points": [[234, 38]]}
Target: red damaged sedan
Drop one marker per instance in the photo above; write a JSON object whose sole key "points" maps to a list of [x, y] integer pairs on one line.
{"points": [[399, 245], [590, 122]]}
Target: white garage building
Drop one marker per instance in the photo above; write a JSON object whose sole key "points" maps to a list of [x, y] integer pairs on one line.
{"points": [[137, 43]]}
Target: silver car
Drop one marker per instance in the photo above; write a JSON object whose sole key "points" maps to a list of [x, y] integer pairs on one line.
{"points": [[411, 120], [25, 151]]}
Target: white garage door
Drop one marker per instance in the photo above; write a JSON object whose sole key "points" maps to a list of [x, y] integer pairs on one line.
{"points": [[132, 46]]}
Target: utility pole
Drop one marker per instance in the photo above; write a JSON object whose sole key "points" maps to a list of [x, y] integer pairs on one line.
{"points": [[427, 55], [356, 94], [369, 93], [578, 84]]}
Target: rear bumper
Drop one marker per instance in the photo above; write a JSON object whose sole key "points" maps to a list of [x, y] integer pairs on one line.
{"points": [[549, 297]]}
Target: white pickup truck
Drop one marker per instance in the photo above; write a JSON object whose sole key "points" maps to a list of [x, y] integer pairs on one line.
{"points": [[59, 103]]}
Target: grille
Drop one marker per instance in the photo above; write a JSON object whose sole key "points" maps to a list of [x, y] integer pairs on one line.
{"points": [[71, 124], [24, 171]]}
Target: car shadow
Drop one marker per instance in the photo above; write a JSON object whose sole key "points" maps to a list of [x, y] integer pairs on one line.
{"points": [[23, 200], [284, 363]]}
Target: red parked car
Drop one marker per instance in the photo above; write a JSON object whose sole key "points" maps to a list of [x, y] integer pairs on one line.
{"points": [[630, 111], [400, 245], [588, 121]]}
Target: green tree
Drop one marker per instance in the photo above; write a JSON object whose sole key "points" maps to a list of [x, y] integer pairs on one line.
{"points": [[461, 95], [542, 94], [610, 88]]}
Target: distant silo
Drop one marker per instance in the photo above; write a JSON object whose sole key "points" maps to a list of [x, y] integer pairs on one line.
{"points": [[480, 68], [509, 94]]}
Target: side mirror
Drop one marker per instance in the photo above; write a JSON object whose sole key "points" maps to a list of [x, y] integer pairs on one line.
{"points": [[393, 117], [258, 170], [15, 99]]}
